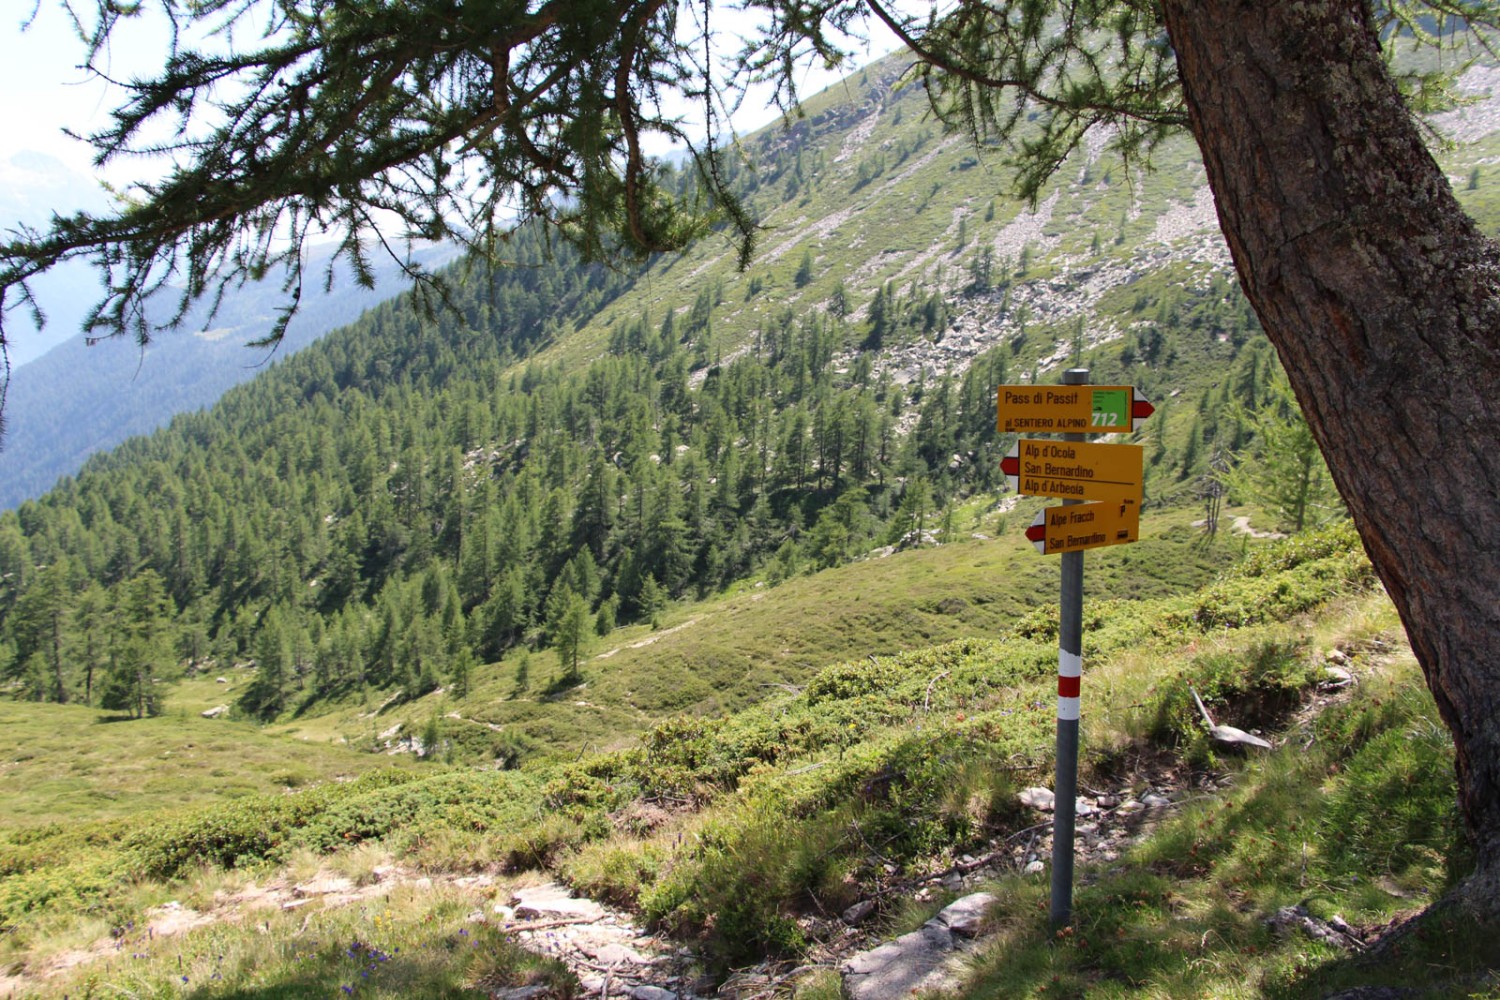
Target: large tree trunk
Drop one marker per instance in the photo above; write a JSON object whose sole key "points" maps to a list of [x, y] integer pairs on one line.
{"points": [[1380, 295]]}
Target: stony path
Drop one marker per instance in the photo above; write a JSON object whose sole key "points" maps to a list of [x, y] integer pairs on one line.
{"points": [[612, 955], [615, 958], [928, 958]]}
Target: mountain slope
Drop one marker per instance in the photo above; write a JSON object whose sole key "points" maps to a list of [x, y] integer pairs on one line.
{"points": [[570, 448], [78, 399]]}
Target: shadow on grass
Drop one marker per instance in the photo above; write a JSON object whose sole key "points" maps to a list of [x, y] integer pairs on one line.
{"points": [[1441, 952], [1337, 830], [560, 687], [117, 717]]}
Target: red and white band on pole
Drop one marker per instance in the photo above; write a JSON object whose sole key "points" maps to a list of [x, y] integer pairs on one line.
{"points": [[1069, 685]]}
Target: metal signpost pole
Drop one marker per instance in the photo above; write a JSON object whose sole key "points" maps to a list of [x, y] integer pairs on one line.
{"points": [[1069, 674], [1100, 486]]}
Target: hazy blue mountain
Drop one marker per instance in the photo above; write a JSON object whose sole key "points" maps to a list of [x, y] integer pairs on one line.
{"points": [[34, 186]]}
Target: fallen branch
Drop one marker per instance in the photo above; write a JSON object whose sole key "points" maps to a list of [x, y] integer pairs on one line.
{"points": [[927, 698]]}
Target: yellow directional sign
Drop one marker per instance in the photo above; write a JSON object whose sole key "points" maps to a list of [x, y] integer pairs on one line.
{"points": [[1075, 470], [1085, 526], [1070, 409]]}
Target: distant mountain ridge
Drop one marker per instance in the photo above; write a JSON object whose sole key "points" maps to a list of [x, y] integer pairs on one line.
{"points": [[34, 186]]}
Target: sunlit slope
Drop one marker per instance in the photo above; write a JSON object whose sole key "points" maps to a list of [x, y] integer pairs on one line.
{"points": [[71, 763], [728, 652]]}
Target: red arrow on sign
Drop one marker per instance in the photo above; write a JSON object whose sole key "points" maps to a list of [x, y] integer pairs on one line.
{"points": [[1140, 408], [1036, 532], [1084, 526], [1011, 464]]}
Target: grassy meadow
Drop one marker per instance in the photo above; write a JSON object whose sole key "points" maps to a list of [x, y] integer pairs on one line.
{"points": [[67, 763], [730, 651], [920, 752]]}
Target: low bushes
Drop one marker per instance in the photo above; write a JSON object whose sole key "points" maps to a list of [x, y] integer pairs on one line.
{"points": [[733, 828]]}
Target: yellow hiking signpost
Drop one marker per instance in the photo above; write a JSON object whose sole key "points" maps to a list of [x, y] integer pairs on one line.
{"points": [[1110, 477], [1085, 526], [1075, 470], [1070, 409]]}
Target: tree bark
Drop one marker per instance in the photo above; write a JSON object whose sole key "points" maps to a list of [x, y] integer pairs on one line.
{"points": [[1380, 295]]}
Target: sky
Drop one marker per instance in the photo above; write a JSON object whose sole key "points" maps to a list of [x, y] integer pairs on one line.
{"points": [[43, 89]]}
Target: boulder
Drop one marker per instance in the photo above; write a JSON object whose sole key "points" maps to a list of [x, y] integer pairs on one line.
{"points": [[651, 993], [1037, 798], [964, 917], [913, 962]]}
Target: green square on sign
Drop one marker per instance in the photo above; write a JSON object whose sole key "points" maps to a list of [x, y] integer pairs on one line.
{"points": [[1111, 408]]}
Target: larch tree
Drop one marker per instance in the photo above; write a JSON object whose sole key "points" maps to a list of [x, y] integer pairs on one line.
{"points": [[1284, 471], [458, 120], [568, 622], [1380, 295], [140, 653]]}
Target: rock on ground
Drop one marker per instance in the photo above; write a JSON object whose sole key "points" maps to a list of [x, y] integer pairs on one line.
{"points": [[553, 901], [925, 959]]}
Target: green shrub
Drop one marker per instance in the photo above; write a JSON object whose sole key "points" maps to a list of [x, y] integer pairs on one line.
{"points": [[1314, 546], [614, 872], [745, 878], [473, 743], [1253, 688], [851, 680], [79, 885], [538, 844], [803, 842], [495, 963], [1392, 809]]}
